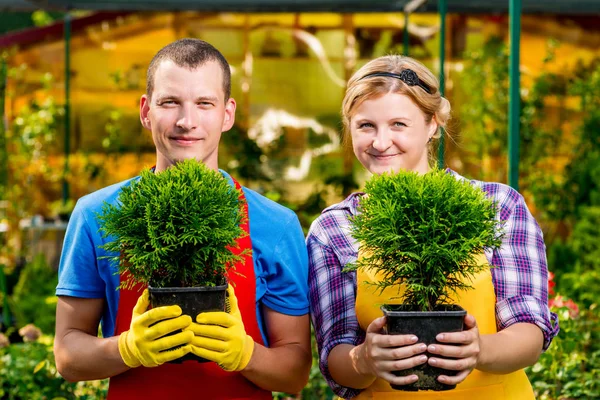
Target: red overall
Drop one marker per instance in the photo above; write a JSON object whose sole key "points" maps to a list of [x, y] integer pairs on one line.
{"points": [[191, 379]]}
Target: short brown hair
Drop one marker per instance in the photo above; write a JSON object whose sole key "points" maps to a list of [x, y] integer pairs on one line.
{"points": [[189, 53]]}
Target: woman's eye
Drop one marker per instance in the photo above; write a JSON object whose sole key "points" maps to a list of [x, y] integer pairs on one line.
{"points": [[365, 125], [399, 124]]}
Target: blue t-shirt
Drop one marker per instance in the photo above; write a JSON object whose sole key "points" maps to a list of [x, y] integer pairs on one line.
{"points": [[278, 251]]}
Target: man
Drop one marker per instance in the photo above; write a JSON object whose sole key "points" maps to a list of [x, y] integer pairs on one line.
{"points": [[264, 348]]}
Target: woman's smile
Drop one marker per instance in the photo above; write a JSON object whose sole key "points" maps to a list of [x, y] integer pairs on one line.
{"points": [[383, 156]]}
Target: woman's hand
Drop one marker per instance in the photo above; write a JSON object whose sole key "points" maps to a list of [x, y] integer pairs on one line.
{"points": [[463, 346], [380, 354]]}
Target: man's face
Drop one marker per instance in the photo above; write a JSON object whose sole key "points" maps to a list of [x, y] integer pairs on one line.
{"points": [[187, 113]]}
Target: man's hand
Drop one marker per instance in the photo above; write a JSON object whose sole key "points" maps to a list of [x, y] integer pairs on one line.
{"points": [[222, 338], [145, 342]]}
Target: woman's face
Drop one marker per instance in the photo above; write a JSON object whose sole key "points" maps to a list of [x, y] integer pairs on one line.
{"points": [[389, 133]]}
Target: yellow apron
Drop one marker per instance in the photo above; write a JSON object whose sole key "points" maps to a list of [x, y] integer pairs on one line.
{"points": [[479, 302]]}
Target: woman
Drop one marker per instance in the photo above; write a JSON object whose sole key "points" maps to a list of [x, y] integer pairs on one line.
{"points": [[392, 111]]}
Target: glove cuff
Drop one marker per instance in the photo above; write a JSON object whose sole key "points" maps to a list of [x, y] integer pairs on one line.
{"points": [[130, 360], [247, 353]]}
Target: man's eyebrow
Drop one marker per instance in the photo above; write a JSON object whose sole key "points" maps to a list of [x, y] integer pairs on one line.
{"points": [[207, 98], [163, 97]]}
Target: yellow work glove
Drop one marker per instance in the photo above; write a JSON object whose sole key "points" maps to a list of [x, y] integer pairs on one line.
{"points": [[221, 337], [144, 344]]}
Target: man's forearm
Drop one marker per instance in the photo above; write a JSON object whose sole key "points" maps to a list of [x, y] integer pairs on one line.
{"points": [[83, 357], [279, 369]]}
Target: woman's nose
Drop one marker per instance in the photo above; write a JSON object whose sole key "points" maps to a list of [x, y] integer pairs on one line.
{"points": [[382, 140]]}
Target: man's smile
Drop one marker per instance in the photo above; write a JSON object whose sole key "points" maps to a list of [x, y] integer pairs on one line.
{"points": [[184, 141]]}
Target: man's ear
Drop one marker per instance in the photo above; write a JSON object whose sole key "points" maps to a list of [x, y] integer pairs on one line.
{"points": [[229, 117], [144, 110]]}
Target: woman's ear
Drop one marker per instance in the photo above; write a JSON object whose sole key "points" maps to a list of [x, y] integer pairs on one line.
{"points": [[432, 128]]}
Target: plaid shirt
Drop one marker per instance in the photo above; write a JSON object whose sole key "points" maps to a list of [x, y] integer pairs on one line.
{"points": [[520, 277]]}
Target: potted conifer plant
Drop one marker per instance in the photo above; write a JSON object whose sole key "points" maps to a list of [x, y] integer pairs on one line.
{"points": [[175, 231], [422, 235]]}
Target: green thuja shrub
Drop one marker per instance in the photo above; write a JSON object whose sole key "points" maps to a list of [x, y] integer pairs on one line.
{"points": [[424, 231], [175, 228]]}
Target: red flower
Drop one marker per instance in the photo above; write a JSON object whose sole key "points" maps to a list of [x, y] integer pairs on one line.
{"points": [[551, 283], [556, 302], [559, 302], [573, 308]]}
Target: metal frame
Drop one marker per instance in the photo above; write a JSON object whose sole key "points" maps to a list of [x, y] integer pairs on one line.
{"points": [[67, 141], [514, 102], [3, 182], [565, 7], [443, 7]]}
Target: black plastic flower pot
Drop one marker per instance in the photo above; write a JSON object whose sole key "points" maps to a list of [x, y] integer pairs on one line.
{"points": [[193, 301], [426, 325]]}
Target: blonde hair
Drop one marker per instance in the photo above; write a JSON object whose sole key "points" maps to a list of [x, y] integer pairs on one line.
{"points": [[358, 90]]}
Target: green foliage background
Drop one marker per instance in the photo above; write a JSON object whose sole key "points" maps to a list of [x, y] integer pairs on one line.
{"points": [[33, 298], [28, 373], [567, 200]]}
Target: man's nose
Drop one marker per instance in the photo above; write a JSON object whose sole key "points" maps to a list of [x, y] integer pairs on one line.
{"points": [[188, 119]]}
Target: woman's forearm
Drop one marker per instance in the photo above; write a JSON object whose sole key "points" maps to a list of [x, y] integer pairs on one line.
{"points": [[345, 368], [513, 348]]}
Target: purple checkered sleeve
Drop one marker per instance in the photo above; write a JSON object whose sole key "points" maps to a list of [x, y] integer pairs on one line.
{"points": [[520, 275], [333, 292]]}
